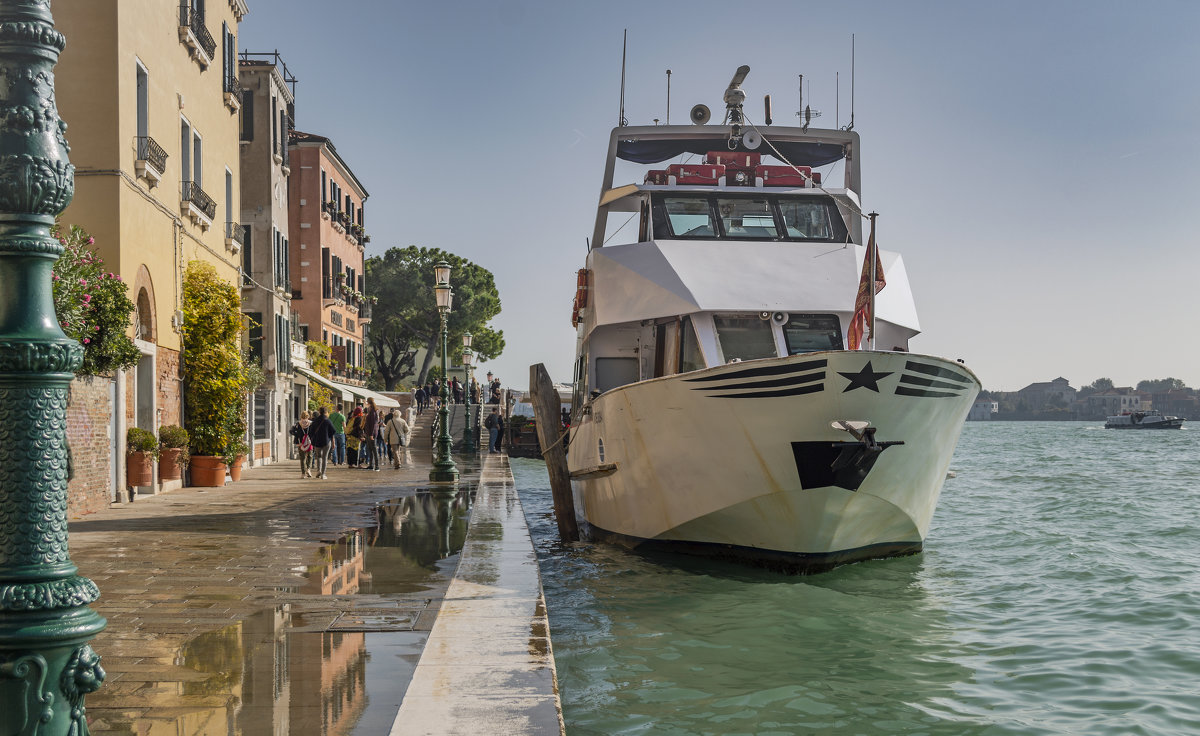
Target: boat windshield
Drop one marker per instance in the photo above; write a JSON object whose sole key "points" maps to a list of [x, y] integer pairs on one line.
{"points": [[744, 337], [807, 333], [747, 217]]}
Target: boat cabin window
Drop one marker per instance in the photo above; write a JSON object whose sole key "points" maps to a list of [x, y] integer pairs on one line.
{"points": [[806, 219], [747, 217], [744, 337], [808, 333], [690, 357], [688, 217], [615, 372]]}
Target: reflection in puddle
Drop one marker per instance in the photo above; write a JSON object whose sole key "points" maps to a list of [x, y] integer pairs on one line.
{"points": [[412, 548], [299, 669]]}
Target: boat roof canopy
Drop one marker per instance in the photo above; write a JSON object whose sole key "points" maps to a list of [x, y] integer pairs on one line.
{"points": [[798, 153]]}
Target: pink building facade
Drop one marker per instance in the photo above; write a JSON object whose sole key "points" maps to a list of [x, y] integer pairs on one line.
{"points": [[328, 239]]}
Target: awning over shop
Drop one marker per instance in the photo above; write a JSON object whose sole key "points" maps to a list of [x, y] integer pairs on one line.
{"points": [[340, 390], [381, 401]]}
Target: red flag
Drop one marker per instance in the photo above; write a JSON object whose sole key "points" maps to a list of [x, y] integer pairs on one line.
{"points": [[864, 303]]}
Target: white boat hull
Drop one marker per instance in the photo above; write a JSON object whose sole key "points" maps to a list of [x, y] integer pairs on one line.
{"points": [[736, 460]]}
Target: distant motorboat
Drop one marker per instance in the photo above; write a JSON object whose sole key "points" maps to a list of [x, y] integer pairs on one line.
{"points": [[1152, 419]]}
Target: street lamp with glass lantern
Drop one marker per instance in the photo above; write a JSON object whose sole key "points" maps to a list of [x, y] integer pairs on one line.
{"points": [[444, 469], [468, 358]]}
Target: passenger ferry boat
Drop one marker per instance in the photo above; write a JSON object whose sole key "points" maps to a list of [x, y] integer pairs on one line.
{"points": [[1152, 419], [718, 407]]}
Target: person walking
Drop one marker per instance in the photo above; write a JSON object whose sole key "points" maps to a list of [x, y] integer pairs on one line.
{"points": [[396, 435], [354, 437], [303, 444], [338, 420], [456, 388], [493, 423], [321, 436], [419, 398], [371, 429]]}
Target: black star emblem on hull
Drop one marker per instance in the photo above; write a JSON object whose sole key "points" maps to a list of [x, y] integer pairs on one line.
{"points": [[866, 378]]}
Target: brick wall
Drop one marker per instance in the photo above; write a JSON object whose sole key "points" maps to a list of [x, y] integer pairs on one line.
{"points": [[89, 418]]}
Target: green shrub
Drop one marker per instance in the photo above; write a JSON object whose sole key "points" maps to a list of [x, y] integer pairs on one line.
{"points": [[141, 440], [173, 436]]}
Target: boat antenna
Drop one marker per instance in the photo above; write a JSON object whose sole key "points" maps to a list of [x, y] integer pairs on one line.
{"points": [[668, 97], [734, 97], [837, 95], [850, 125], [621, 121]]}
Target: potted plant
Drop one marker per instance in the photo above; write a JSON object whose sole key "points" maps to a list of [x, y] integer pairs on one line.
{"points": [[215, 374], [235, 458], [141, 449], [173, 454]]}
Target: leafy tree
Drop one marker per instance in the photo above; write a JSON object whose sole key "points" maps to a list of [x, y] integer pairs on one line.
{"points": [[406, 319], [1101, 384], [1161, 385]]}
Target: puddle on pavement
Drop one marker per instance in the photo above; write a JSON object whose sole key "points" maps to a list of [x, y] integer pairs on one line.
{"points": [[260, 677], [311, 666], [412, 548]]}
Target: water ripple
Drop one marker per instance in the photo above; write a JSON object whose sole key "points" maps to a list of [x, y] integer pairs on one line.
{"points": [[1057, 595]]}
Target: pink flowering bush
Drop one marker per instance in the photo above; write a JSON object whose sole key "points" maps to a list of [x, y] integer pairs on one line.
{"points": [[93, 306]]}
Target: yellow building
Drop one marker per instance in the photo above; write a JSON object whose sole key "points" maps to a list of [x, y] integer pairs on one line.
{"points": [[149, 90]]}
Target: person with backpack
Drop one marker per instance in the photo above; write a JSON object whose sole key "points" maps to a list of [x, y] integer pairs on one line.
{"points": [[371, 426], [354, 437], [321, 435], [303, 444], [493, 424]]}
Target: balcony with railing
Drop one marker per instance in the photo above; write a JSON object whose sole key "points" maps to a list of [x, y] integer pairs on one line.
{"points": [[235, 236], [194, 35], [233, 92], [197, 205], [151, 162]]}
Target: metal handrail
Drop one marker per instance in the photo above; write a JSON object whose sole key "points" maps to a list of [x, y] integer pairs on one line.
{"points": [[190, 18], [236, 232], [233, 86], [148, 150], [194, 194]]}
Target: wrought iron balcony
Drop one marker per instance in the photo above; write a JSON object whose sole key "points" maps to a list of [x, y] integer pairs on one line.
{"points": [[198, 205], [235, 235], [193, 32], [151, 161], [233, 91]]}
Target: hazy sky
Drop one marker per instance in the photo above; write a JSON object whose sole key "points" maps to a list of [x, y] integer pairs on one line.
{"points": [[1036, 163]]}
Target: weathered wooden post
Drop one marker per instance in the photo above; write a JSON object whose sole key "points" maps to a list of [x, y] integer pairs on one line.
{"points": [[546, 409], [46, 665]]}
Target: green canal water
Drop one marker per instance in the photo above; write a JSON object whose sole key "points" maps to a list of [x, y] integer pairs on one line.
{"points": [[1059, 593]]}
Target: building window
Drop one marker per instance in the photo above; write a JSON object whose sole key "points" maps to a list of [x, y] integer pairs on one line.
{"points": [[247, 115], [260, 415], [255, 335], [185, 150], [143, 102], [247, 258]]}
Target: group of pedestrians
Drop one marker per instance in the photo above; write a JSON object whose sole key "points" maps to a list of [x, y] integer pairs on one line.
{"points": [[365, 440], [457, 392]]}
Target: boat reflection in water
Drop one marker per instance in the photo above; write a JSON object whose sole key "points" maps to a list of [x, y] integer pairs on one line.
{"points": [[310, 665]]}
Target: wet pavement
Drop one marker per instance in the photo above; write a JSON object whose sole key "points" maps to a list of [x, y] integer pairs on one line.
{"points": [[282, 605]]}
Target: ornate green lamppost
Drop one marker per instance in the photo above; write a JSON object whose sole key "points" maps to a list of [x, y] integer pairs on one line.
{"points": [[444, 469], [46, 665], [467, 358]]}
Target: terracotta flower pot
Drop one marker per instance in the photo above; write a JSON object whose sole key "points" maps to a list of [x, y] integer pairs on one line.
{"points": [[207, 471], [138, 470], [168, 464], [235, 470]]}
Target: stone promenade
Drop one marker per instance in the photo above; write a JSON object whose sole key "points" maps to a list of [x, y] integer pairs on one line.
{"points": [[369, 603]]}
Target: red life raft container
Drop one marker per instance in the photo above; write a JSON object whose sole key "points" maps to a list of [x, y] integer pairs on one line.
{"points": [[784, 176]]}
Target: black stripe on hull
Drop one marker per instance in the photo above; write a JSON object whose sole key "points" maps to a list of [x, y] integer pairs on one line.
{"points": [[923, 393], [929, 382], [770, 370], [797, 391], [789, 381], [792, 563], [1156, 425], [937, 372]]}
